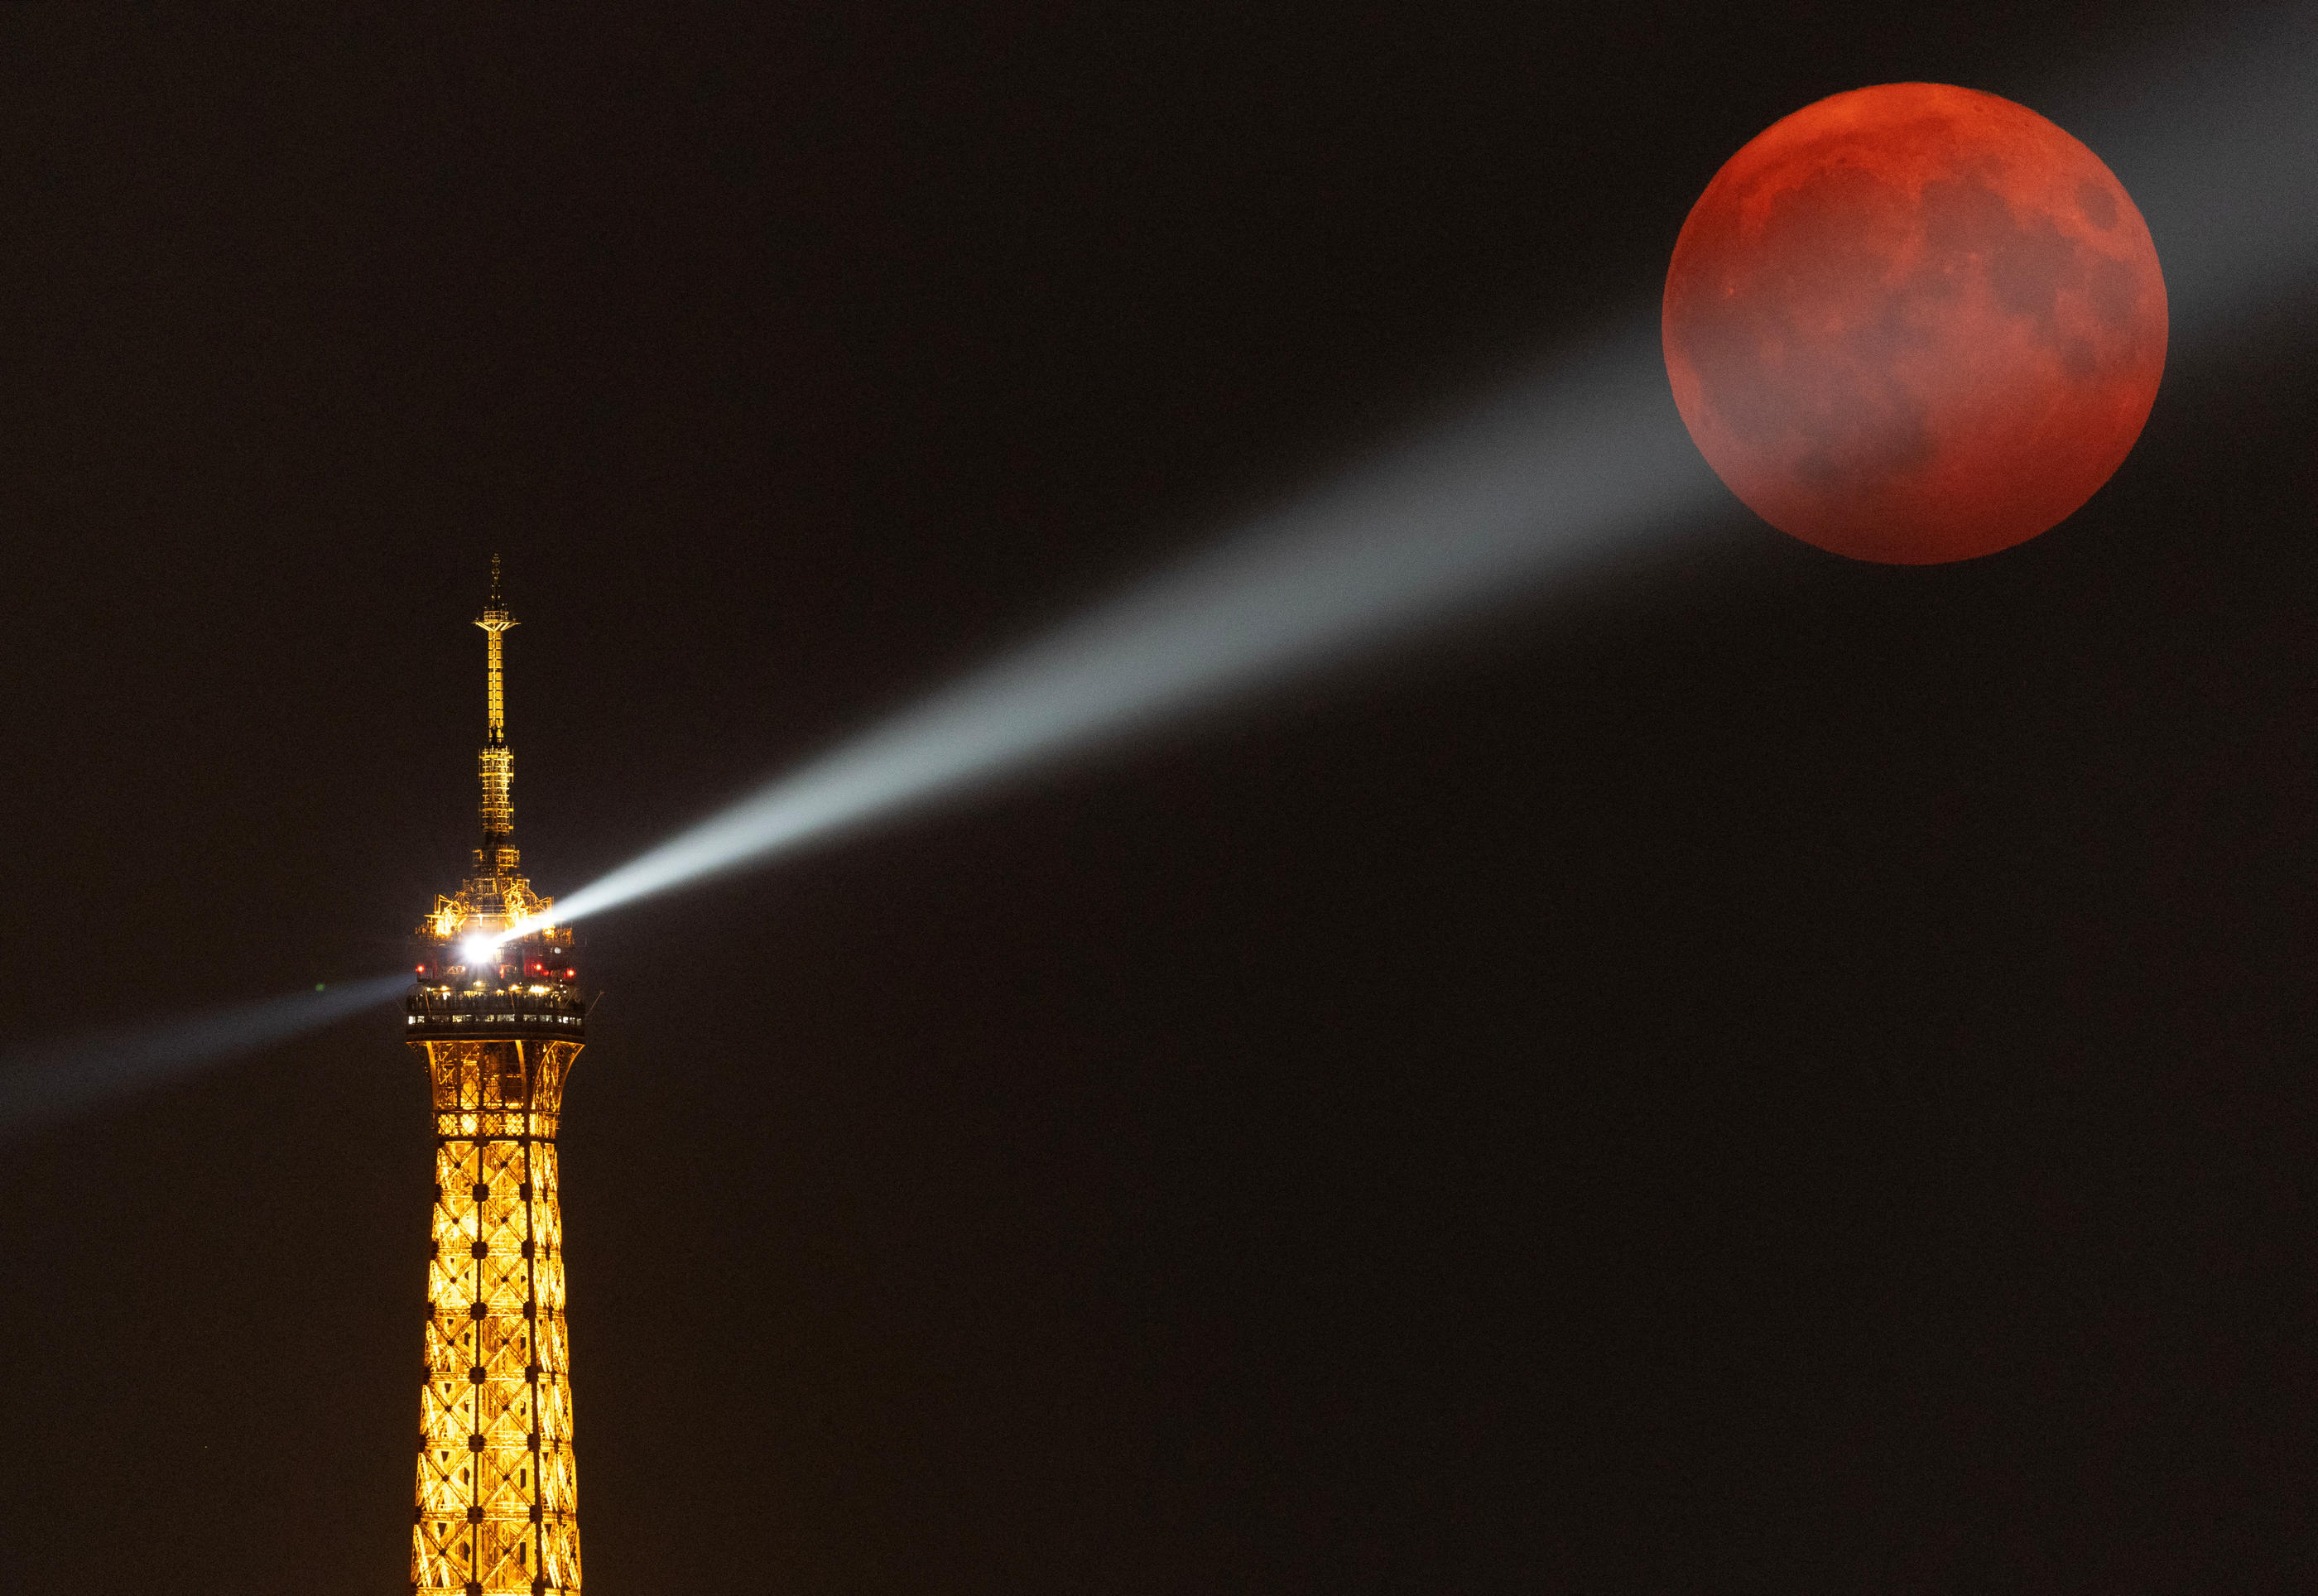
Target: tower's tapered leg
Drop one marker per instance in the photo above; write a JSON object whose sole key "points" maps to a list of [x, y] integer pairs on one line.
{"points": [[496, 1488]]}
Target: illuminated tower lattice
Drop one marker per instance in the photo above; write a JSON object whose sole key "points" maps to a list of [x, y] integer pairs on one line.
{"points": [[500, 1023]]}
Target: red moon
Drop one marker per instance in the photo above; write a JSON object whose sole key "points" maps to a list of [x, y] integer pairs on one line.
{"points": [[1914, 323]]}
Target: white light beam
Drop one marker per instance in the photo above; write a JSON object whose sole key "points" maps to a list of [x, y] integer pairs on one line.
{"points": [[46, 1082], [1589, 462]]}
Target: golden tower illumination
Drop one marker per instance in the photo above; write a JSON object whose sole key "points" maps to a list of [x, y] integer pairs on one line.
{"points": [[500, 1025]]}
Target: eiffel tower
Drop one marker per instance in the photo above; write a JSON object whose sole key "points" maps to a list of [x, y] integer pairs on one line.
{"points": [[499, 1017]]}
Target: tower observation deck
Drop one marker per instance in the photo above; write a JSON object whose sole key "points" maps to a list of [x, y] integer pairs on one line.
{"points": [[499, 1025]]}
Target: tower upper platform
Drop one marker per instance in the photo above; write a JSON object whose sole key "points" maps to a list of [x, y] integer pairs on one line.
{"points": [[475, 982]]}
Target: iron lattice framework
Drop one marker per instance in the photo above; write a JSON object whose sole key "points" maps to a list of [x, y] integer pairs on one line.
{"points": [[501, 1021]]}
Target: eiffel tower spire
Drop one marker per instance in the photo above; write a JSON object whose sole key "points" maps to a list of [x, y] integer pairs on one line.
{"points": [[497, 855]]}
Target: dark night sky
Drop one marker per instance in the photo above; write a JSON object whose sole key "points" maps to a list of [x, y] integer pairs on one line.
{"points": [[1769, 1075]]}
